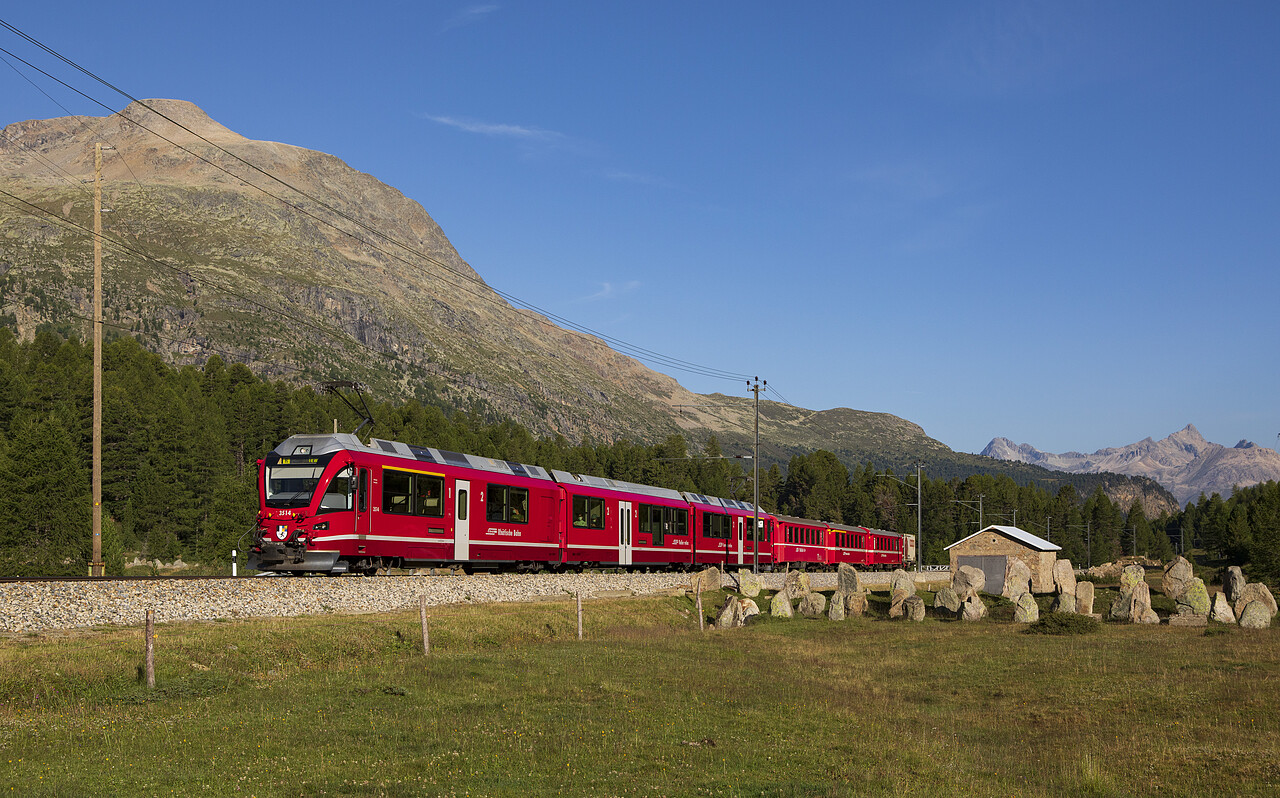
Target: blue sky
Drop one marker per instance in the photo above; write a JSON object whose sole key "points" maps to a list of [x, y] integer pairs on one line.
{"points": [[1056, 222]]}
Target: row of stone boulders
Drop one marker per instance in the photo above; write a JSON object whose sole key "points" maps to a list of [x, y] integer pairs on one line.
{"points": [[1251, 605]]}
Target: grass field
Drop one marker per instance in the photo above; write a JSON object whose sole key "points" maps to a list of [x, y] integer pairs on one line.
{"points": [[510, 703]]}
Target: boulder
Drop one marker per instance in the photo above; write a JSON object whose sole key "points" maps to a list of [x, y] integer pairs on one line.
{"points": [[901, 580], [896, 600], [835, 609], [968, 581], [1222, 612], [749, 584], [1194, 599], [1188, 620], [730, 615], [796, 584], [855, 604], [847, 579], [1233, 583], [1142, 612], [704, 580], [1255, 615], [1084, 598], [1064, 577], [972, 609], [1177, 578], [1131, 576], [946, 599], [1122, 607], [1255, 591], [749, 609], [913, 608], [1026, 610], [1017, 578], [1134, 605], [780, 606], [813, 605], [1106, 572], [1065, 602]]}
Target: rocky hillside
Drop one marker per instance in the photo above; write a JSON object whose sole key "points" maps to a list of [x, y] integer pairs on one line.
{"points": [[336, 276], [297, 265], [1184, 462]]}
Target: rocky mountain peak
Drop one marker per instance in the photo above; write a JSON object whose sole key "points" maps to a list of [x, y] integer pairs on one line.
{"points": [[1183, 462], [178, 120]]}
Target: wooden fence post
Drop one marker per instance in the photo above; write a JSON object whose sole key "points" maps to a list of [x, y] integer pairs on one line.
{"points": [[426, 633], [701, 621], [151, 649], [579, 615]]}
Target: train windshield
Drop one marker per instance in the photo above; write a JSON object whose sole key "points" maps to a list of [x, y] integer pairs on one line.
{"points": [[293, 484]]}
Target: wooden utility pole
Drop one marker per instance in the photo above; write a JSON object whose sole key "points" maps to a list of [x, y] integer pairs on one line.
{"points": [[96, 567], [755, 388]]}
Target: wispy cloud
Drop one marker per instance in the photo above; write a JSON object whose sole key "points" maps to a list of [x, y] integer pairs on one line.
{"points": [[497, 130], [611, 290], [469, 16]]}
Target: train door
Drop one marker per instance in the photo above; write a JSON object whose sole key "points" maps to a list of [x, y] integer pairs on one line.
{"points": [[741, 538], [462, 520], [364, 518], [624, 533]]}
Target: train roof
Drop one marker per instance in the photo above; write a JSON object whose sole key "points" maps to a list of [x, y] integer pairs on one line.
{"points": [[566, 478], [329, 443], [792, 519], [728, 504]]}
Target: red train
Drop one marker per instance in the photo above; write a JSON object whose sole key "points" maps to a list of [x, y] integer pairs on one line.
{"points": [[332, 504]]}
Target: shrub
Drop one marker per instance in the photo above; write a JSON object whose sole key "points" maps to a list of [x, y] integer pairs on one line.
{"points": [[1064, 623]]}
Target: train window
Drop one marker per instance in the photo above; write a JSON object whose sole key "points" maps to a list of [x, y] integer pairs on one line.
{"points": [[507, 504], [659, 521], [588, 512], [462, 505], [362, 494], [428, 492], [408, 493], [716, 525], [337, 494], [397, 487]]}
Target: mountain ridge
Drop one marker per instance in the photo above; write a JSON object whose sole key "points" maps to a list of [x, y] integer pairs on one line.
{"points": [[1183, 462]]}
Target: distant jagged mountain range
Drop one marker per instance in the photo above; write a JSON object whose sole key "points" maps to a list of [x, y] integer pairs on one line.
{"points": [[1184, 462]]}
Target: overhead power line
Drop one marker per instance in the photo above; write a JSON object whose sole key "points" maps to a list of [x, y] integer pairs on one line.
{"points": [[621, 345]]}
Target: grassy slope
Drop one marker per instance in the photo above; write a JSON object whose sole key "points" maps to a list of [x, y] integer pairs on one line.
{"points": [[510, 704]]}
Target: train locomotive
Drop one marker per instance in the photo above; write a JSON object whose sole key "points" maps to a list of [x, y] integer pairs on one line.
{"points": [[333, 504]]}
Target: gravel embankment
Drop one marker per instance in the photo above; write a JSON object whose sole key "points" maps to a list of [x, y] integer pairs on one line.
{"points": [[41, 606]]}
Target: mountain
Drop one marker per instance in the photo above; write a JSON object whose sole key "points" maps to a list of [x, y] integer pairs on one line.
{"points": [[1184, 462], [291, 262]]}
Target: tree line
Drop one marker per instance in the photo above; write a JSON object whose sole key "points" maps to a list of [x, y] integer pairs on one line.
{"points": [[180, 447]]}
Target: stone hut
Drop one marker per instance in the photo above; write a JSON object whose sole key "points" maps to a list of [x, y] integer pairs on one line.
{"points": [[990, 549]]}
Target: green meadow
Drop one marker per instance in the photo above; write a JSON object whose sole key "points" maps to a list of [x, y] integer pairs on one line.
{"points": [[510, 703]]}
